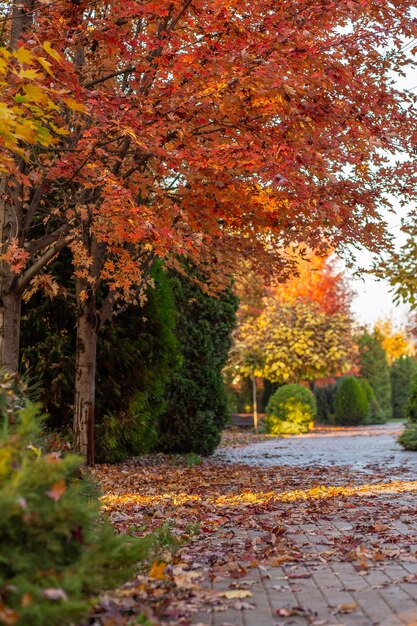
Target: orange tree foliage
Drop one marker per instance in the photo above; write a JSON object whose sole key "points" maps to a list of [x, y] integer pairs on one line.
{"points": [[396, 343], [203, 128], [302, 329]]}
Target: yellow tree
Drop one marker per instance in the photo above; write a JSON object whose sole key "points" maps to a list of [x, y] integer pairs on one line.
{"points": [[396, 343]]}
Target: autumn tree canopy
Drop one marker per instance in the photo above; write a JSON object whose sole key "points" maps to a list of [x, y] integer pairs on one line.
{"points": [[213, 130]]}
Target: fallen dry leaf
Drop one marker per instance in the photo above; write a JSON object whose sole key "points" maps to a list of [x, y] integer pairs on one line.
{"points": [[57, 490], [157, 570], [236, 593]]}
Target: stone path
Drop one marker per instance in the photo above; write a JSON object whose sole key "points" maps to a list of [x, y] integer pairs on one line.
{"points": [[374, 581], [359, 448]]}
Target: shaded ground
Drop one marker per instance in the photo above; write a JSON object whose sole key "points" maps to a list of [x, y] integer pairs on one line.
{"points": [[305, 542]]}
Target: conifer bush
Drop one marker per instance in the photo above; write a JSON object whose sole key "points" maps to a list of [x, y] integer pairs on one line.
{"points": [[408, 439], [56, 551], [351, 406], [291, 410], [375, 415]]}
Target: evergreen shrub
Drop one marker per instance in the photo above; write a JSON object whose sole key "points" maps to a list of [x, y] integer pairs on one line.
{"points": [[402, 372], [291, 410], [408, 439], [375, 369], [136, 355], [375, 415], [325, 397], [196, 397], [351, 406], [56, 551]]}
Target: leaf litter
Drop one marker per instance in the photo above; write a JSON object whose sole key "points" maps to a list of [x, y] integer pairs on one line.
{"points": [[232, 523]]}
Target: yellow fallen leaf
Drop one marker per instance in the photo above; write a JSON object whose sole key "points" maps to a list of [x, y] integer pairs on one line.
{"points": [[236, 594], [157, 570], [347, 608]]}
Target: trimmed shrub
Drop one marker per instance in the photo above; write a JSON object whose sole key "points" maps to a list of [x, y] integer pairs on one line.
{"points": [[375, 415], [325, 397], [197, 403], [56, 552], [291, 410], [402, 372], [408, 439], [374, 367], [351, 406]]}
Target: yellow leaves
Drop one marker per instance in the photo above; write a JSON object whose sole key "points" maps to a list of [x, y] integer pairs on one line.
{"points": [[30, 74], [23, 55], [236, 594], [74, 105], [157, 570], [46, 65], [35, 94], [49, 50]]}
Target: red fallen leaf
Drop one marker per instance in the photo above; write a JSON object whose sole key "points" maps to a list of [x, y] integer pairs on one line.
{"points": [[380, 528], [57, 490], [301, 575]]}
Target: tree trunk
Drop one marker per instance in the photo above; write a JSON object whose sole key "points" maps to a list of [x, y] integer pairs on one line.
{"points": [[85, 381], [9, 330]]}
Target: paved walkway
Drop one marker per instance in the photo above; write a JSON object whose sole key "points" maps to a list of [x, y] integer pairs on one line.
{"points": [[352, 554], [360, 448]]}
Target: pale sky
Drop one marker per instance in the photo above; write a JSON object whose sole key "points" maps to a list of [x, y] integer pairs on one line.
{"points": [[373, 299]]}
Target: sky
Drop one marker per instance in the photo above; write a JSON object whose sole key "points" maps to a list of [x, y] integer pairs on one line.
{"points": [[373, 299]]}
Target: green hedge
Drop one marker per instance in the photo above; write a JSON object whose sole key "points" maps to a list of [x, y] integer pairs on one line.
{"points": [[351, 406], [291, 410], [408, 439], [196, 397]]}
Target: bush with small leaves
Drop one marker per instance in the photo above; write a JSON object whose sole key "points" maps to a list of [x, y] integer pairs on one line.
{"points": [[375, 415], [351, 406], [291, 410], [56, 550]]}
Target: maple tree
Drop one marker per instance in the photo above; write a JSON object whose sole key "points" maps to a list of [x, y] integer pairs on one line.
{"points": [[208, 129], [301, 330]]}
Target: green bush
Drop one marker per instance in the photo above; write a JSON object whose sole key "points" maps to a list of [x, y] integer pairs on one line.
{"points": [[408, 439], [291, 410], [56, 552], [375, 369], [351, 406], [136, 355], [402, 372], [375, 415], [325, 397], [197, 403]]}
